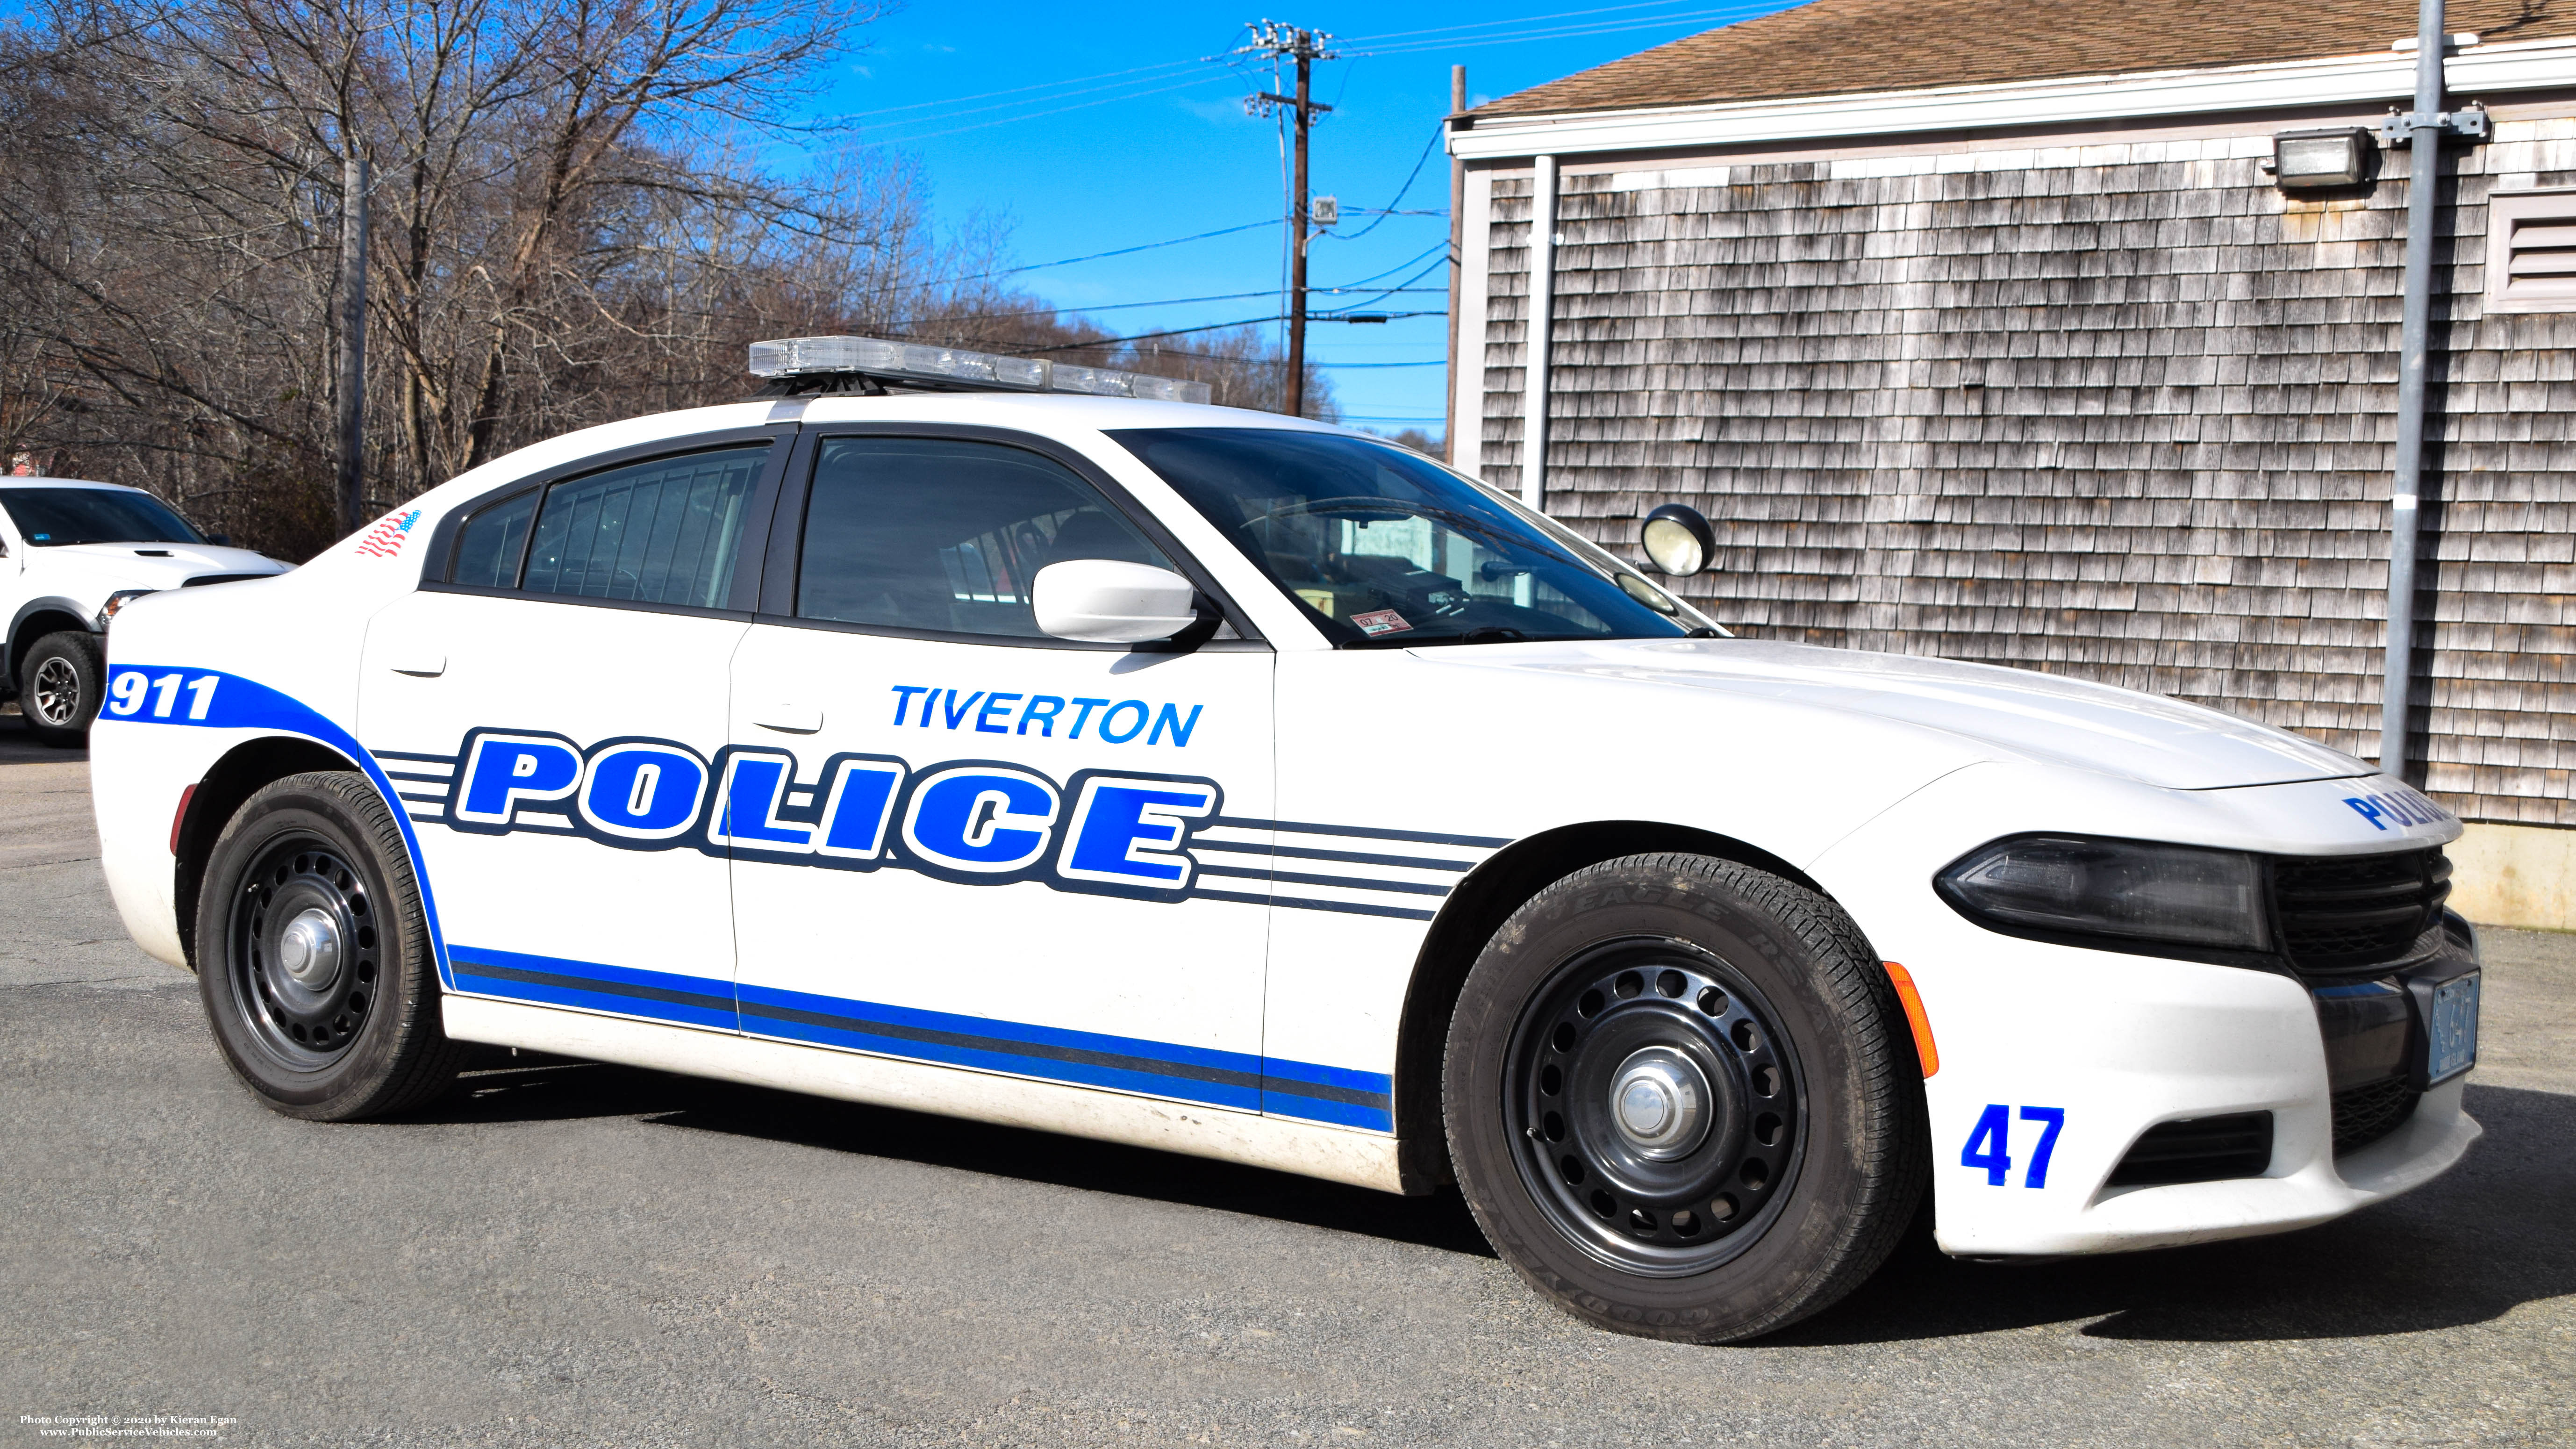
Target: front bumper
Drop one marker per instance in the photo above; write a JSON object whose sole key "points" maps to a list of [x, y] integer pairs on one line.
{"points": [[2055, 1061]]}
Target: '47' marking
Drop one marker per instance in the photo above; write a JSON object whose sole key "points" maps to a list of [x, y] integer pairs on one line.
{"points": [[1990, 1145]]}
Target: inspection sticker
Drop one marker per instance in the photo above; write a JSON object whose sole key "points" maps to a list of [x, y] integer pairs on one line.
{"points": [[1383, 621]]}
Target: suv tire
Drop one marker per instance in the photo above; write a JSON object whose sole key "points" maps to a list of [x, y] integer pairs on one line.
{"points": [[1681, 1099], [58, 688], [313, 956]]}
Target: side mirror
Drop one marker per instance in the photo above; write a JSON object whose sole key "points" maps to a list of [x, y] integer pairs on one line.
{"points": [[1678, 540], [1105, 601]]}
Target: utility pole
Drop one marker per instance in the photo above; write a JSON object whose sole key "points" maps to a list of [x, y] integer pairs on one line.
{"points": [[353, 339], [1305, 47], [2422, 130], [1457, 236]]}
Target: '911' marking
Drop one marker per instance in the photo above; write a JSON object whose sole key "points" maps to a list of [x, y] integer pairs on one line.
{"points": [[130, 689], [1990, 1144]]}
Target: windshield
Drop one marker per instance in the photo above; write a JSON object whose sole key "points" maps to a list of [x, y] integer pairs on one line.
{"points": [[1383, 547], [52, 517]]}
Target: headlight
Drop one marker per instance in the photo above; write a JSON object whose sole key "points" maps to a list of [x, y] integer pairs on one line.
{"points": [[119, 600], [2127, 894]]}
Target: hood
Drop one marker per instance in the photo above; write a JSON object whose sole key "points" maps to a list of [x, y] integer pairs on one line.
{"points": [[148, 565], [2015, 712]]}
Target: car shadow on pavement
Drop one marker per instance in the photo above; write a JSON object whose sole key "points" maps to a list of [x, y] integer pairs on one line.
{"points": [[2466, 1248], [497, 1088], [20, 747]]}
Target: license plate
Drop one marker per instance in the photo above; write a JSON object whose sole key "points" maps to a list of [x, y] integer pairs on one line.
{"points": [[2453, 1029]]}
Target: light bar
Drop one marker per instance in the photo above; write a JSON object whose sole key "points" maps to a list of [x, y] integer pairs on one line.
{"points": [[919, 363]]}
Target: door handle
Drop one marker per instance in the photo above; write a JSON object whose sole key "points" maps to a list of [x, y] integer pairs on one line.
{"points": [[789, 718], [421, 666]]}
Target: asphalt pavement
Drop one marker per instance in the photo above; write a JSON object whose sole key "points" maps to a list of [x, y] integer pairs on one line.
{"points": [[586, 1255]]}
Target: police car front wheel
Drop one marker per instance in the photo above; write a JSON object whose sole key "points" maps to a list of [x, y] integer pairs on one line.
{"points": [[1680, 1101], [313, 956]]}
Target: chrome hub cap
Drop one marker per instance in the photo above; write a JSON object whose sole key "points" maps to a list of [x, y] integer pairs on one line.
{"points": [[1659, 1102], [309, 949]]}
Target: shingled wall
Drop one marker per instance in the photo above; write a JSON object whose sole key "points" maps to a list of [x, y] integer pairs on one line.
{"points": [[2116, 411]]}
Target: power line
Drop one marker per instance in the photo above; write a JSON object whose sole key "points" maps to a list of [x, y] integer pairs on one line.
{"points": [[1019, 90], [1373, 294], [1409, 179], [1036, 115], [1093, 257]]}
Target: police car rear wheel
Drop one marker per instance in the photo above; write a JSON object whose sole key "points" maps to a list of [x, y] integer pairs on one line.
{"points": [[1679, 1100], [58, 688], [313, 954]]}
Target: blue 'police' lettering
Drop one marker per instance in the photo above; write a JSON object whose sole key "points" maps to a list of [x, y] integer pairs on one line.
{"points": [[643, 791], [1126, 832], [502, 771], [986, 819], [972, 822], [858, 804], [747, 804]]}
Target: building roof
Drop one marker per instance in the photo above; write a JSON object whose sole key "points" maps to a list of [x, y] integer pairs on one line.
{"points": [[1829, 47]]}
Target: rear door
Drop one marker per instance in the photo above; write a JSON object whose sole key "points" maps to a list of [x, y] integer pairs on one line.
{"points": [[551, 705], [956, 840]]}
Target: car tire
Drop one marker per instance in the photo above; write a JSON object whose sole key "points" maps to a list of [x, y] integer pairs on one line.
{"points": [[313, 955], [1681, 1100], [58, 688]]}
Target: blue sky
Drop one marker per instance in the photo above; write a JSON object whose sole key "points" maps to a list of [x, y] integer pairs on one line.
{"points": [[1096, 127]]}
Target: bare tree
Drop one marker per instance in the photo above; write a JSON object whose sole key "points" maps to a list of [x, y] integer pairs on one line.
{"points": [[574, 222]]}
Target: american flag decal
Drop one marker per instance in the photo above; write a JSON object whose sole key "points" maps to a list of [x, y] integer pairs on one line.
{"points": [[386, 539]]}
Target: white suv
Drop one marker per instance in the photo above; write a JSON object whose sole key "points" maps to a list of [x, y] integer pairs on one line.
{"points": [[71, 555]]}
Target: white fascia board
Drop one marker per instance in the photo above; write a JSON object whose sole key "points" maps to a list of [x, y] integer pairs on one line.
{"points": [[2383, 75]]}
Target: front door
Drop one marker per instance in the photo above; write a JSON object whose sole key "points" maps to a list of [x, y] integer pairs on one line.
{"points": [[956, 840], [551, 712]]}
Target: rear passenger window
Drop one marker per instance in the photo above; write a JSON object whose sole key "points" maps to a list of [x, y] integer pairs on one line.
{"points": [[946, 536], [488, 547], [668, 531]]}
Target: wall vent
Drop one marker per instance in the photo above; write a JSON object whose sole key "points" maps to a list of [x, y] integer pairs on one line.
{"points": [[2531, 250]]}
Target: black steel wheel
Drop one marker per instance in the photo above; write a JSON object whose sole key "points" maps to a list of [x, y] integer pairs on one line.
{"points": [[58, 688], [304, 951], [1681, 1099], [1660, 1106], [313, 955]]}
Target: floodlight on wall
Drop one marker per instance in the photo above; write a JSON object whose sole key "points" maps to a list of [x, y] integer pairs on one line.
{"points": [[2328, 159]]}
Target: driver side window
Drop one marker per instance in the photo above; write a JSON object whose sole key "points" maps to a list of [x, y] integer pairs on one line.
{"points": [[946, 536]]}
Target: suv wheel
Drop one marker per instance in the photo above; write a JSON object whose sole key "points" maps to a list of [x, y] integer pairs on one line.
{"points": [[313, 956], [1681, 1099], [58, 688]]}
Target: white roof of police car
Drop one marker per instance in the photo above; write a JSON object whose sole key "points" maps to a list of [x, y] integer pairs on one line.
{"points": [[17, 480], [1045, 414]]}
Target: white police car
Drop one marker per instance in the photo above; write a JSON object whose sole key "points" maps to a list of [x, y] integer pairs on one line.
{"points": [[1225, 783]]}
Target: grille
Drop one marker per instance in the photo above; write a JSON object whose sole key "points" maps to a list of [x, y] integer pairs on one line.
{"points": [[2342, 914], [2363, 1115], [2205, 1149], [203, 579]]}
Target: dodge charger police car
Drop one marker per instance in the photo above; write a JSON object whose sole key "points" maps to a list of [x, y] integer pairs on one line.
{"points": [[1040, 746]]}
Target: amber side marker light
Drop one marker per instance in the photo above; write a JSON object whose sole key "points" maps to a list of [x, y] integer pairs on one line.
{"points": [[1915, 1018]]}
